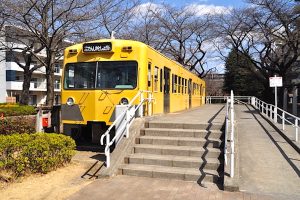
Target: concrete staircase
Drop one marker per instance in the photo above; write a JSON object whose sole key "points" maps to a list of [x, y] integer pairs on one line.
{"points": [[184, 151]]}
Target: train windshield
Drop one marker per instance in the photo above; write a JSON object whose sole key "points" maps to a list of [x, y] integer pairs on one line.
{"points": [[101, 75]]}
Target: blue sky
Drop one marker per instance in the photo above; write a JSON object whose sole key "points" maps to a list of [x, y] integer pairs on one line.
{"points": [[206, 7], [227, 3]]}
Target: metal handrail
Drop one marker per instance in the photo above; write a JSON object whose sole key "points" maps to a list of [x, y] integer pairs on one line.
{"points": [[232, 134], [210, 98], [226, 130], [229, 107], [272, 112], [127, 124]]}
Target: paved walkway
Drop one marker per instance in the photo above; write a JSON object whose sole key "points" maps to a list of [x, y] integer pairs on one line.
{"points": [[268, 164], [209, 113], [269, 167], [140, 188]]}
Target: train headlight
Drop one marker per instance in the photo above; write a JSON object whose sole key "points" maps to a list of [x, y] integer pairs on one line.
{"points": [[70, 101], [124, 101]]}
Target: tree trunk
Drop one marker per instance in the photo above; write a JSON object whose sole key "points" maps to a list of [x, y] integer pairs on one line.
{"points": [[50, 80], [24, 99]]}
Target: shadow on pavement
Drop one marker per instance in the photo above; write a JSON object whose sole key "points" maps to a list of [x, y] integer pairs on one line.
{"points": [[294, 167]]}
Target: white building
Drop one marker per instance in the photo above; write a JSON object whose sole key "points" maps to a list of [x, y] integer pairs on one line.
{"points": [[11, 76]]}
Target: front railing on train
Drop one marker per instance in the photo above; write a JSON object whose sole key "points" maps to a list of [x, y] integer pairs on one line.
{"points": [[127, 117]]}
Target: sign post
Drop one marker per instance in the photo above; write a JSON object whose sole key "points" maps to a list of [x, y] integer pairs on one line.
{"points": [[275, 82]]}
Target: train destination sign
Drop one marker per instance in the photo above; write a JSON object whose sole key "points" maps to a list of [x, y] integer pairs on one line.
{"points": [[97, 47]]}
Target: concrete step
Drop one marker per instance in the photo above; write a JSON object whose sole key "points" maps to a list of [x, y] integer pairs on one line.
{"points": [[177, 150], [154, 171], [173, 161], [171, 132], [174, 125], [178, 141]]}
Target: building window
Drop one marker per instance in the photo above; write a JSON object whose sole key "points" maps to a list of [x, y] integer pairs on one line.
{"points": [[32, 100], [11, 75], [56, 68], [57, 99], [57, 84], [9, 57], [35, 82]]}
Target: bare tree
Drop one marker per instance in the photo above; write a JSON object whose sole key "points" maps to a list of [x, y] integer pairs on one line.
{"points": [[267, 33], [3, 18], [186, 34], [113, 15], [50, 22], [146, 27]]}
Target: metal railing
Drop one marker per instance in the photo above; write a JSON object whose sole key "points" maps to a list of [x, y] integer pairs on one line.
{"points": [[127, 116], [274, 113], [229, 118], [223, 99]]}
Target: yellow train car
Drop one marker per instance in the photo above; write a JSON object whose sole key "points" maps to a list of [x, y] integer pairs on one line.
{"points": [[101, 74]]}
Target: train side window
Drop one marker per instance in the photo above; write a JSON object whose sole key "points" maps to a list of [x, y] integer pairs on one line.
{"points": [[182, 84], [185, 86], [173, 83], [201, 89], [176, 84], [149, 74], [155, 79], [161, 80], [193, 89], [179, 84]]}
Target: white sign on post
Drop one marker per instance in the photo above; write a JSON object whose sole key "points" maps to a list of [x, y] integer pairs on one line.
{"points": [[275, 81]]}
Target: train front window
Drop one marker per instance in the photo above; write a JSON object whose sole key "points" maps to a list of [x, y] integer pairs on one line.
{"points": [[80, 75], [117, 75], [101, 75]]}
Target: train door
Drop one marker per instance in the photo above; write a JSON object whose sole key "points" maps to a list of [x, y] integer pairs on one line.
{"points": [[166, 90], [190, 92]]}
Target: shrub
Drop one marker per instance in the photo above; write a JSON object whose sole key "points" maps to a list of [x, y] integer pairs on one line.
{"points": [[18, 124], [34, 153], [8, 109]]}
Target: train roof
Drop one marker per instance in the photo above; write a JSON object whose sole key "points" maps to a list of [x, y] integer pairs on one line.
{"points": [[138, 43]]}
